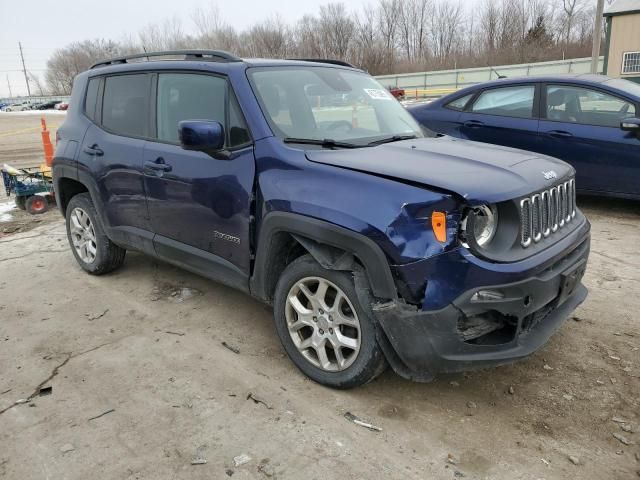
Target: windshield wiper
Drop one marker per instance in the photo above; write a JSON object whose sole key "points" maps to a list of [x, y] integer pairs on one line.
{"points": [[327, 142], [395, 138]]}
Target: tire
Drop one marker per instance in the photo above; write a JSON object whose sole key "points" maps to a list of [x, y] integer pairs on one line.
{"points": [[359, 365], [93, 250], [21, 203], [36, 204]]}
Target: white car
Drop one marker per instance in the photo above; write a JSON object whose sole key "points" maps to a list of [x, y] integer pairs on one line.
{"points": [[17, 107]]}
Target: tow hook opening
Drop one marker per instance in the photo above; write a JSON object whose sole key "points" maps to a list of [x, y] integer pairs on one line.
{"points": [[487, 328]]}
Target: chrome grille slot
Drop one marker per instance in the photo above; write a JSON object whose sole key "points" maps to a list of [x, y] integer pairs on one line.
{"points": [[546, 210], [525, 222], [553, 194], [536, 218], [544, 213], [562, 200]]}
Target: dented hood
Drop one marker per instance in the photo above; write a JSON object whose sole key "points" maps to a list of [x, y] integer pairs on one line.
{"points": [[479, 172]]}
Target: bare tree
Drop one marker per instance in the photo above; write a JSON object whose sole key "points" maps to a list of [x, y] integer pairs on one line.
{"points": [[446, 24], [336, 30], [270, 38], [388, 36], [388, 13], [67, 62], [571, 10], [413, 27], [307, 37], [168, 35], [212, 31], [368, 50], [489, 27], [37, 82]]}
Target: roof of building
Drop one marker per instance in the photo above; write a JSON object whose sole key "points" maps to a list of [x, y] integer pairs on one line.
{"points": [[623, 7]]}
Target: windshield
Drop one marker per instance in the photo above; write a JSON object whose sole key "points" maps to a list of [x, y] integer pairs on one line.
{"points": [[320, 103]]}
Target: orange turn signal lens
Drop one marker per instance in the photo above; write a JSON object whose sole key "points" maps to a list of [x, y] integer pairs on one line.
{"points": [[439, 225]]}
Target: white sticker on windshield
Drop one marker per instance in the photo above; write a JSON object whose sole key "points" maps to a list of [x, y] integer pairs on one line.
{"points": [[378, 94]]}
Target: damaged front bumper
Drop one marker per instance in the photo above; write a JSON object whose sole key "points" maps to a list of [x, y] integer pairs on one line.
{"points": [[486, 325]]}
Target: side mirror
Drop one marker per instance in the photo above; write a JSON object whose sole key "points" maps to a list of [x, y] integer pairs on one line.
{"points": [[203, 136], [630, 125]]}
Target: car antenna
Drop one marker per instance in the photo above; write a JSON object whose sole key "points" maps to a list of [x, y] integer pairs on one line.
{"points": [[497, 73]]}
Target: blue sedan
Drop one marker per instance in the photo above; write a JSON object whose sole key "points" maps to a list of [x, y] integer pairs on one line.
{"points": [[589, 121]]}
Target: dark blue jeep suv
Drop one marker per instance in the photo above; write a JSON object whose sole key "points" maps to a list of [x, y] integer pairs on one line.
{"points": [[308, 186]]}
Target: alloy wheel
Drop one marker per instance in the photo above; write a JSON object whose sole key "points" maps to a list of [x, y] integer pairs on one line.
{"points": [[83, 235], [323, 324]]}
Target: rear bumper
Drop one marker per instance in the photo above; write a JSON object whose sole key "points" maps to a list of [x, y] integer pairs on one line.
{"points": [[476, 330]]}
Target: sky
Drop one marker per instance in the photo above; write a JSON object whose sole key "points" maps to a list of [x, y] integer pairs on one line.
{"points": [[44, 25]]}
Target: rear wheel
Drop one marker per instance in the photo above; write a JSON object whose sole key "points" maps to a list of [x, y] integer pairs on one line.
{"points": [[90, 245], [36, 204], [21, 202], [323, 328]]}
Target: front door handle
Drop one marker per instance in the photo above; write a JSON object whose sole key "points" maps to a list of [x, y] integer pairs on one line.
{"points": [[94, 150], [473, 124], [559, 134]]}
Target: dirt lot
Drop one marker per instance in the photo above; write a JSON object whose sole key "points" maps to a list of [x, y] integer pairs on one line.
{"points": [[143, 347]]}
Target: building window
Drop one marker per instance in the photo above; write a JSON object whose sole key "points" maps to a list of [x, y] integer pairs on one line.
{"points": [[631, 62]]}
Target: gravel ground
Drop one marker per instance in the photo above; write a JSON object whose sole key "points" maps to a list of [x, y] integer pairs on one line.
{"points": [[144, 388]]}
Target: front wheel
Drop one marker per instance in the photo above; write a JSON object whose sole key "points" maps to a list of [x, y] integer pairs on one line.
{"points": [[323, 328], [90, 245]]}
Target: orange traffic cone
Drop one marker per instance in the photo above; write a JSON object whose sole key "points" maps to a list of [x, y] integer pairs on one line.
{"points": [[46, 143]]}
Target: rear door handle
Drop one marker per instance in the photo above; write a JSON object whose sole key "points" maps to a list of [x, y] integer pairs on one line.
{"points": [[473, 124], [158, 165], [559, 134], [94, 150]]}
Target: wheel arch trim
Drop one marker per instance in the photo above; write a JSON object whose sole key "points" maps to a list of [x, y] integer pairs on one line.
{"points": [[313, 234]]}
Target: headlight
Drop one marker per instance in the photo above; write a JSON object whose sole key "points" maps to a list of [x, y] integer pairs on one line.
{"points": [[480, 224]]}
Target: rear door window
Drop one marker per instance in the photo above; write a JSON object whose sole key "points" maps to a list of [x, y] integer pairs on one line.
{"points": [[125, 107], [585, 106], [515, 101]]}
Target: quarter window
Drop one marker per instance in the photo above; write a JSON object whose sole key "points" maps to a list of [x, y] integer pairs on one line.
{"points": [[459, 103], [92, 97], [507, 101], [586, 106], [125, 108], [188, 96]]}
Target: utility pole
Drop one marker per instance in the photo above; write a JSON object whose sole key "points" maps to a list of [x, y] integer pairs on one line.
{"points": [[24, 69], [9, 85], [597, 37]]}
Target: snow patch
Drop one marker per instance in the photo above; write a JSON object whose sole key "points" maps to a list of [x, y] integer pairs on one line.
{"points": [[5, 208]]}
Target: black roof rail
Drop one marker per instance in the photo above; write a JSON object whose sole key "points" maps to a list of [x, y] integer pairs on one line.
{"points": [[210, 55], [324, 60]]}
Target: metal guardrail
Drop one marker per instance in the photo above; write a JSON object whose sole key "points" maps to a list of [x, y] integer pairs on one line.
{"points": [[438, 83], [35, 99]]}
